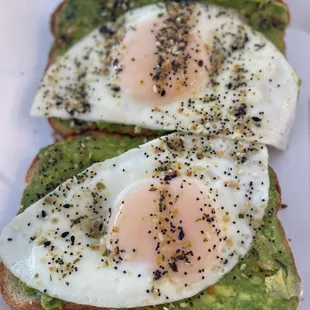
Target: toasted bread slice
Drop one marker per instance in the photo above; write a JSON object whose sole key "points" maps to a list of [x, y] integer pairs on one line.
{"points": [[74, 155], [14, 296], [67, 29]]}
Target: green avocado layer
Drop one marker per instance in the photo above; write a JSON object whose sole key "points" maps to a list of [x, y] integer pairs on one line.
{"points": [[79, 17], [63, 160], [266, 278], [47, 302], [75, 126]]}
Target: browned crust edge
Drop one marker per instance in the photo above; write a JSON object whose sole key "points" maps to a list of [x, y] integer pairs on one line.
{"points": [[67, 132], [54, 17], [63, 132], [53, 27], [34, 166], [31, 304], [288, 11]]}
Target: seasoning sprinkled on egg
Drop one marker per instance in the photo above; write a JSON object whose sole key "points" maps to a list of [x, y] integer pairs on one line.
{"points": [[176, 66], [176, 223]]}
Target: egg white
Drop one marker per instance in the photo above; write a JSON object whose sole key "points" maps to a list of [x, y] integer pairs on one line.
{"points": [[269, 85], [223, 162]]}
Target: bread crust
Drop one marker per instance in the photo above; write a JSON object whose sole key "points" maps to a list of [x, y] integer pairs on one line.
{"points": [[34, 166], [30, 303], [288, 11], [63, 132], [53, 27]]}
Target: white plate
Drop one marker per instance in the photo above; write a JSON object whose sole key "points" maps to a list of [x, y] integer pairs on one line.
{"points": [[25, 41]]}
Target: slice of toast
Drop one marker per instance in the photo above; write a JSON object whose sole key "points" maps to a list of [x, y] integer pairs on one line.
{"points": [[14, 296], [67, 26], [46, 165]]}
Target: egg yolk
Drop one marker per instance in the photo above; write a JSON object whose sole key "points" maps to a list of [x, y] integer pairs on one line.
{"points": [[157, 67], [170, 227]]}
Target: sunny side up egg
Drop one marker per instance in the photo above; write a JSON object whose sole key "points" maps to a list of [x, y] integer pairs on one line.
{"points": [[176, 67], [157, 224]]}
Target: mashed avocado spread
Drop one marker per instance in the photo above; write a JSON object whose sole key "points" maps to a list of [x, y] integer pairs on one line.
{"points": [[266, 278], [78, 18]]}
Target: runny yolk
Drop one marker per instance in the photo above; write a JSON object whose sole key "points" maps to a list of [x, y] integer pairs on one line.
{"points": [[182, 72], [170, 227]]}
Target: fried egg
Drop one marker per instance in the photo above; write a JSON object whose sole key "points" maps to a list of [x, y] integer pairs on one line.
{"points": [[156, 224], [177, 67]]}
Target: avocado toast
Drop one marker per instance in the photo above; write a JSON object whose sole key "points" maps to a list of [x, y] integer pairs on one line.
{"points": [[266, 278], [74, 19]]}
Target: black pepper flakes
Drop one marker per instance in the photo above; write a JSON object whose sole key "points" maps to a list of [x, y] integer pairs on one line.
{"points": [[72, 240], [181, 234], [169, 177], [64, 234], [157, 275], [116, 88], [106, 30], [173, 266], [256, 119], [47, 243]]}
